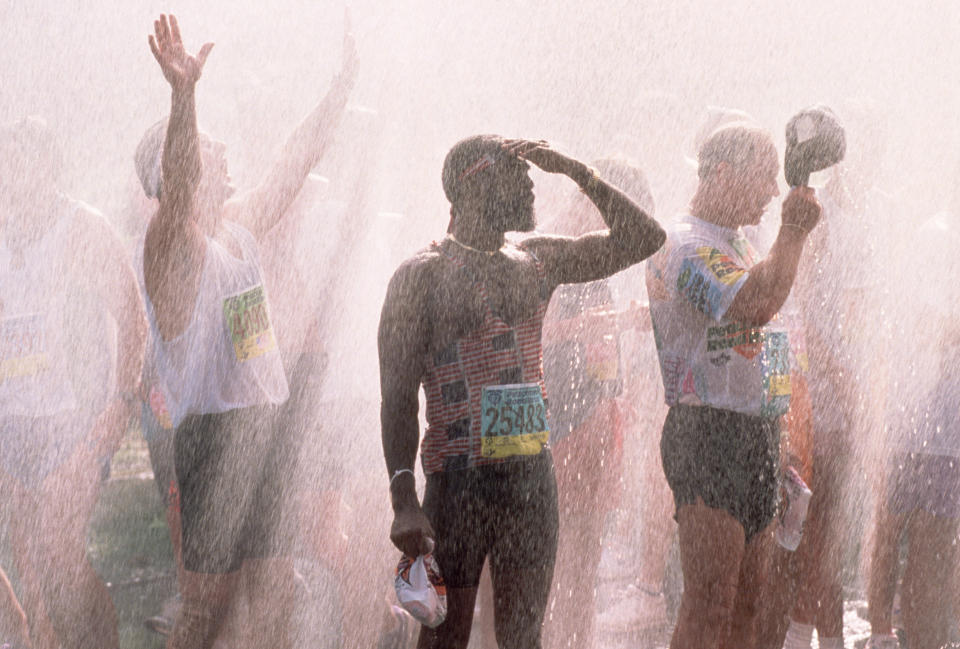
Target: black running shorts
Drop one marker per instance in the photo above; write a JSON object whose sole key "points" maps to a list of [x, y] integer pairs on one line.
{"points": [[232, 470], [728, 459]]}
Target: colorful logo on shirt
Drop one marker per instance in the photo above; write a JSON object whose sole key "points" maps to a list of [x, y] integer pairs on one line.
{"points": [[775, 368], [743, 339], [248, 321], [23, 346], [701, 292], [721, 265]]}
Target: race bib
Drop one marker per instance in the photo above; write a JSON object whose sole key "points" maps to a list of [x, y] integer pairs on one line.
{"points": [[248, 321], [23, 346], [775, 365], [514, 420]]}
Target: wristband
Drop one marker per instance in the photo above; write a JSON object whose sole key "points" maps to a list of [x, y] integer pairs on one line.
{"points": [[398, 472]]}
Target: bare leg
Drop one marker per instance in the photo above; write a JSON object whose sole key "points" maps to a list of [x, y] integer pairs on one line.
{"points": [[570, 615], [926, 589], [268, 587], [711, 549], [820, 598], [883, 568], [206, 602], [754, 573], [75, 599]]}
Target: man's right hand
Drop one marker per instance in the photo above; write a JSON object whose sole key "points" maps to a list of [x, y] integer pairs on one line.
{"points": [[180, 68], [411, 532], [801, 209]]}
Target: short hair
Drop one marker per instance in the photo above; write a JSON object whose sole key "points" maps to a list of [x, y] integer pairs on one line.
{"points": [[735, 143], [33, 144], [626, 175], [148, 157], [467, 158]]}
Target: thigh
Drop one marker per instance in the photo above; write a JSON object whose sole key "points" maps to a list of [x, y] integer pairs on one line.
{"points": [[522, 559], [460, 524], [712, 544], [211, 458]]}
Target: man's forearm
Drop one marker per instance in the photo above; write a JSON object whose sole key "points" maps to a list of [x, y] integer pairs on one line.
{"points": [[400, 437], [770, 281], [182, 165], [630, 226]]}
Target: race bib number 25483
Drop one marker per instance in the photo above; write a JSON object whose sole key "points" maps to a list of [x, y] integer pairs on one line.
{"points": [[514, 420]]}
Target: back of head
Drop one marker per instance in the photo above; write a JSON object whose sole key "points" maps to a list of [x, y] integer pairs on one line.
{"points": [[628, 177], [466, 162], [735, 143], [32, 150], [148, 157], [583, 217]]}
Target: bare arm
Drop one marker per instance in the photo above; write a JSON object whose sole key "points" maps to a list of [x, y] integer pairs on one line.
{"points": [[770, 281], [105, 262], [633, 235], [174, 245], [402, 342], [262, 208]]}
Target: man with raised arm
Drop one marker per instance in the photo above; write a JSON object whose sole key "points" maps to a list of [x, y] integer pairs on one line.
{"points": [[724, 356], [463, 319], [214, 351]]}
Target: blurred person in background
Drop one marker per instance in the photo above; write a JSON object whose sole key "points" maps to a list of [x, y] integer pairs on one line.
{"points": [[215, 351], [463, 318], [921, 475], [724, 362], [843, 303], [72, 336], [583, 375]]}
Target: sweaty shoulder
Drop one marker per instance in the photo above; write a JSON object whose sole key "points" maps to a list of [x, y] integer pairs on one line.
{"points": [[92, 233], [415, 274]]}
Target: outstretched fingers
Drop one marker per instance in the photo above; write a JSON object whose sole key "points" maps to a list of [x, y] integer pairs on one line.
{"points": [[203, 54], [153, 48], [175, 29]]}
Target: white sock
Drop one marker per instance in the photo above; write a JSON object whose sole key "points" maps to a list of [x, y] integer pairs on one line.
{"points": [[798, 636], [830, 643]]}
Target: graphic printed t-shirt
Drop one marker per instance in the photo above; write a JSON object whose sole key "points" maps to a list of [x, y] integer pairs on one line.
{"points": [[707, 359]]}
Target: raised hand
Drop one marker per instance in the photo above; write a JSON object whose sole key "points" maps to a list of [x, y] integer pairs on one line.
{"points": [[540, 154], [180, 68]]}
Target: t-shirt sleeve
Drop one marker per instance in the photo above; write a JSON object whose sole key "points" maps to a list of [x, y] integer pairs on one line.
{"points": [[706, 277]]}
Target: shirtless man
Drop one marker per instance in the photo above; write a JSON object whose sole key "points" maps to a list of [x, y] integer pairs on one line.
{"points": [[69, 310], [215, 353], [463, 318]]}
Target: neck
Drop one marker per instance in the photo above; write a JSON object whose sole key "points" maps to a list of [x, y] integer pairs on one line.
{"points": [[477, 240], [708, 209]]}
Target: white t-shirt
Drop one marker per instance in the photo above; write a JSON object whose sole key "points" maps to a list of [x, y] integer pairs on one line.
{"points": [[707, 359], [35, 324], [227, 357]]}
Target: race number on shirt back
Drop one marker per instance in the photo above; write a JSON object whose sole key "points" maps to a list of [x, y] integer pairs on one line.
{"points": [[23, 349], [514, 420], [248, 321]]}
